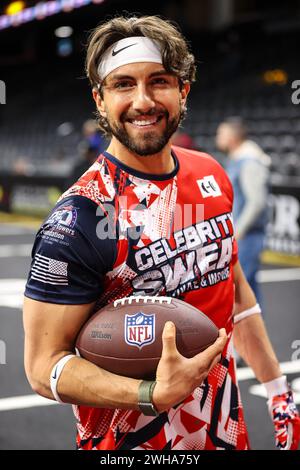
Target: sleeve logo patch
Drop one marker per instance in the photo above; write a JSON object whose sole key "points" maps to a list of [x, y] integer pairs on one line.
{"points": [[209, 187], [66, 215]]}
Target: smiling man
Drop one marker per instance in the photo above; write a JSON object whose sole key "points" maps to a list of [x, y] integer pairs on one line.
{"points": [[147, 219], [140, 106]]}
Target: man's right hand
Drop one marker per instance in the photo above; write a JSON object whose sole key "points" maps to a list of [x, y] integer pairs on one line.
{"points": [[176, 376]]}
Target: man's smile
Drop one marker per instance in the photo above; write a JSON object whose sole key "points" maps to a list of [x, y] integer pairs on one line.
{"points": [[145, 122]]}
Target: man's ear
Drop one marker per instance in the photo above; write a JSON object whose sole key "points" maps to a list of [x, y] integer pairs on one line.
{"points": [[99, 102], [185, 91]]}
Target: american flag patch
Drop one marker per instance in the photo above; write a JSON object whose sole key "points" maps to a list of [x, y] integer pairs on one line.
{"points": [[49, 271]]}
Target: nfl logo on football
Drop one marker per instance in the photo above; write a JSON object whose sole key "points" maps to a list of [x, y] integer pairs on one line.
{"points": [[139, 329]]}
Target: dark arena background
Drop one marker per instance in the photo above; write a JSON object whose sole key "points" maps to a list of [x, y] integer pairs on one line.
{"points": [[248, 65]]}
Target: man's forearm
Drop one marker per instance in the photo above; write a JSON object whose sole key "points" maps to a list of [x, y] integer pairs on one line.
{"points": [[253, 344], [82, 382]]}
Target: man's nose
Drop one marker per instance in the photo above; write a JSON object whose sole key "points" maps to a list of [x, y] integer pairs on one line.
{"points": [[143, 100]]}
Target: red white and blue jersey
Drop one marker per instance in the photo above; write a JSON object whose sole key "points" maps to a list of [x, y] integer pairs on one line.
{"points": [[119, 232]]}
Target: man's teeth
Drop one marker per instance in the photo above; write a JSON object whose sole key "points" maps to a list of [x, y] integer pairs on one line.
{"points": [[144, 123]]}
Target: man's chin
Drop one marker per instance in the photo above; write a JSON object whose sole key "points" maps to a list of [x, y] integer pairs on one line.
{"points": [[146, 151], [146, 145]]}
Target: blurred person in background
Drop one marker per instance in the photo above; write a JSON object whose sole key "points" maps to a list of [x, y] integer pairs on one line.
{"points": [[22, 166], [183, 139], [248, 170], [88, 156], [92, 136], [90, 147]]}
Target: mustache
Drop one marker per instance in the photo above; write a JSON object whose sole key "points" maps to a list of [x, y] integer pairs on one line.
{"points": [[151, 112]]}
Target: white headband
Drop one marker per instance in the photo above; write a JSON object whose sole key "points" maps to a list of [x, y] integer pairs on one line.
{"points": [[128, 51]]}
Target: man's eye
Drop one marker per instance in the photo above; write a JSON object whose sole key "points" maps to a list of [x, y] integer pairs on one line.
{"points": [[120, 85], [160, 81]]}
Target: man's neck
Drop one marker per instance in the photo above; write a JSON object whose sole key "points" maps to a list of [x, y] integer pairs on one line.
{"points": [[157, 164]]}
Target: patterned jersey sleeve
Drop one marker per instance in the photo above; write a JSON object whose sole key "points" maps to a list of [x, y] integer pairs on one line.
{"points": [[69, 259]]}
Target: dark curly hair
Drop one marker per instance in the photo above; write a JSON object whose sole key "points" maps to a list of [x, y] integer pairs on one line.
{"points": [[176, 56]]}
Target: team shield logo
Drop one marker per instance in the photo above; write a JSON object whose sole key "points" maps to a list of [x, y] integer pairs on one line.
{"points": [[139, 329]]}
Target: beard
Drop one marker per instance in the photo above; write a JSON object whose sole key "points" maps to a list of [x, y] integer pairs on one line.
{"points": [[151, 142]]}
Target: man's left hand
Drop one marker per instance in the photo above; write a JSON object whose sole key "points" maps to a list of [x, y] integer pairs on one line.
{"points": [[286, 421]]}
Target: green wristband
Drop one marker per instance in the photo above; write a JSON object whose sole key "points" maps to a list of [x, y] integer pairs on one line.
{"points": [[145, 398]]}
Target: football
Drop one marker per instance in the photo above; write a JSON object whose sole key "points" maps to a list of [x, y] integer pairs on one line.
{"points": [[125, 337]]}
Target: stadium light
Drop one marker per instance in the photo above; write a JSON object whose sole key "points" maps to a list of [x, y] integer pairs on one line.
{"points": [[42, 10], [63, 32], [275, 77], [15, 7]]}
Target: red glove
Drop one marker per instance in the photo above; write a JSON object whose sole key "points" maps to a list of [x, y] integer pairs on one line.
{"points": [[286, 421]]}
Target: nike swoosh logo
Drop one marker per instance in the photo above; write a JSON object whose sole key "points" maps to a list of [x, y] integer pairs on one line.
{"points": [[126, 47], [54, 376]]}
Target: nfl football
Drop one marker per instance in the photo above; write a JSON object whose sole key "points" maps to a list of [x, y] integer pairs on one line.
{"points": [[125, 337]]}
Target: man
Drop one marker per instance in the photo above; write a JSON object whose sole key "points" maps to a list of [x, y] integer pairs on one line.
{"points": [[131, 226], [248, 170]]}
